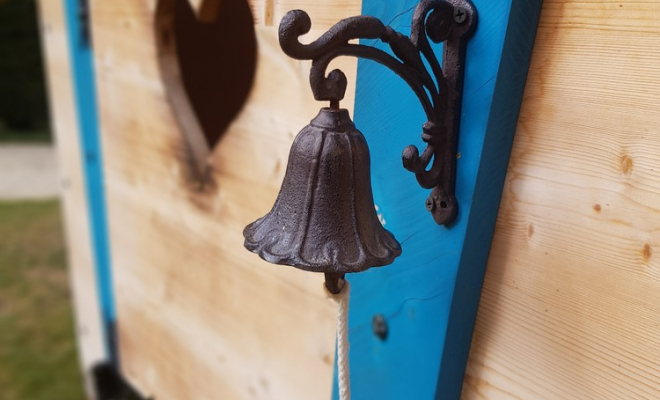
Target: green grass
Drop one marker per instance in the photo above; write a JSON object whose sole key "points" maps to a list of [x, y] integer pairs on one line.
{"points": [[38, 359]]}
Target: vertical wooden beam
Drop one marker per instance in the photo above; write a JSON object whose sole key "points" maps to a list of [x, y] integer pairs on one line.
{"points": [[64, 123], [84, 86], [429, 296]]}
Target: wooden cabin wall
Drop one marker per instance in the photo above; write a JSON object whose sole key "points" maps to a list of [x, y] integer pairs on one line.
{"points": [[570, 307], [198, 315], [571, 302]]}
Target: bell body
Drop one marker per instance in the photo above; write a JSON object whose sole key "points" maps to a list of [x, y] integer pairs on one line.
{"points": [[324, 218]]}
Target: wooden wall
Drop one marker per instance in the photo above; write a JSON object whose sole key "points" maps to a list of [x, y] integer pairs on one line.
{"points": [[571, 302], [198, 315]]}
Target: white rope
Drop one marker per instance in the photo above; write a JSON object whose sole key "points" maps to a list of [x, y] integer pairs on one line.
{"points": [[343, 374]]}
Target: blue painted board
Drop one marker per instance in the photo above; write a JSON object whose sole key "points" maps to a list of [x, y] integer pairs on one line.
{"points": [[82, 67], [430, 295]]}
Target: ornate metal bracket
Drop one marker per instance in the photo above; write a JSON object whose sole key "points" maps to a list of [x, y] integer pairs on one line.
{"points": [[439, 90]]}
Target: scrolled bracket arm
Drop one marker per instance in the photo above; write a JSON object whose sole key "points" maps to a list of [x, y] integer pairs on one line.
{"points": [[437, 87]]}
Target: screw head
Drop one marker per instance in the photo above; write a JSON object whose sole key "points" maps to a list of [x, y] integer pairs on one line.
{"points": [[379, 326], [430, 203], [460, 15]]}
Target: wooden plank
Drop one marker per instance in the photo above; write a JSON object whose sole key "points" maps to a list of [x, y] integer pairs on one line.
{"points": [[429, 296], [198, 315], [571, 300], [89, 331], [82, 68]]}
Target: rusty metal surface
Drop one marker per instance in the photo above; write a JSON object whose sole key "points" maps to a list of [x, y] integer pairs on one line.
{"points": [[324, 218]]}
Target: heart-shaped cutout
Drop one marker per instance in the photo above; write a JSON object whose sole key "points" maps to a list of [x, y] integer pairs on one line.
{"points": [[207, 56]]}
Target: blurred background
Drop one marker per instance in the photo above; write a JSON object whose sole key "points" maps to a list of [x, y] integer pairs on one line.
{"points": [[38, 359]]}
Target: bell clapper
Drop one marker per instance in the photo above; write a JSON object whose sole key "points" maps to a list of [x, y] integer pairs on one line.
{"points": [[334, 282]]}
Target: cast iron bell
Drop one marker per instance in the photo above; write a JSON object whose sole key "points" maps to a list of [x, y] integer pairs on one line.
{"points": [[324, 218]]}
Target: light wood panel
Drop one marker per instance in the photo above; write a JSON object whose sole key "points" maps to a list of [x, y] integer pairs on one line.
{"points": [[571, 302], [74, 204], [199, 316]]}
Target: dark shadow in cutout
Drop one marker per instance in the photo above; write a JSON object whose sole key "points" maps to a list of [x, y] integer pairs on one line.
{"points": [[217, 62], [208, 66]]}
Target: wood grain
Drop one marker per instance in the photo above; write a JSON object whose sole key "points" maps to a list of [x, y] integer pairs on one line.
{"points": [[571, 302], [74, 204], [198, 315]]}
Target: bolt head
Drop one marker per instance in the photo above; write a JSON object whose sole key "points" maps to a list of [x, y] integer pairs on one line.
{"points": [[379, 326], [430, 204], [460, 15]]}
